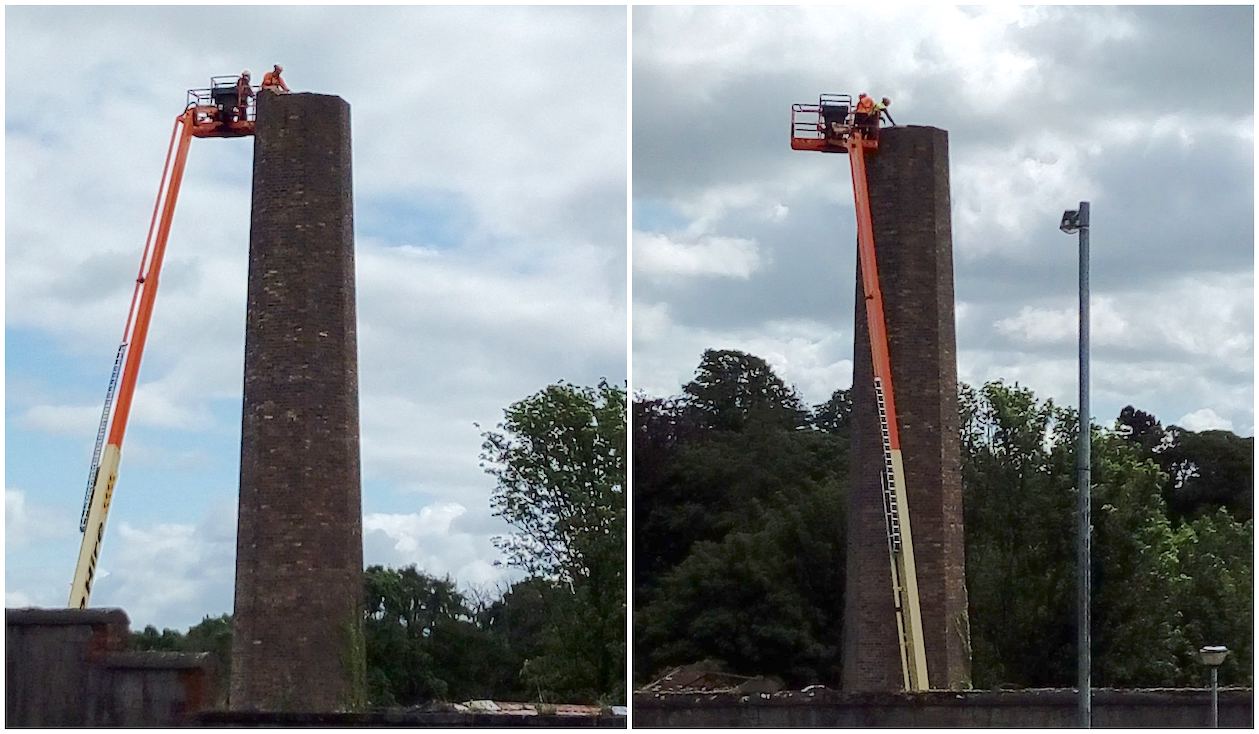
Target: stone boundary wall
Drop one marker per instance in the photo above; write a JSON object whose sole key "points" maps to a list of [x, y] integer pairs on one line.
{"points": [[70, 667], [1031, 708]]}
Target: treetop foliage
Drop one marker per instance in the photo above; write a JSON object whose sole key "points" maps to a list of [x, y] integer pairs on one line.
{"points": [[739, 535]]}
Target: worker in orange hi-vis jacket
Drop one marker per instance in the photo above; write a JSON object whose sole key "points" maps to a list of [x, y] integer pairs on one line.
{"points": [[272, 81], [863, 113]]}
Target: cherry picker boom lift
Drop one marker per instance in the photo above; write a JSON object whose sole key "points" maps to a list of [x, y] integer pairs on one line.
{"points": [[830, 127], [208, 113]]}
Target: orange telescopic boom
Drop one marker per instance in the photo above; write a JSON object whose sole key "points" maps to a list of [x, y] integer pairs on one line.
{"points": [[206, 115], [829, 127]]}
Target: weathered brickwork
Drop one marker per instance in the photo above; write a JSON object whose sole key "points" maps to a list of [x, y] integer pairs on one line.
{"points": [[297, 643], [909, 193]]}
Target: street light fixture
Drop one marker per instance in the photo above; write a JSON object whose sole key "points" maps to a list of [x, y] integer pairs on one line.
{"points": [[1073, 221], [1213, 657]]}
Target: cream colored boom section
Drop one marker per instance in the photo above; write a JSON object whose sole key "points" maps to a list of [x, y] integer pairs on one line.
{"points": [[914, 656], [900, 549], [94, 532]]}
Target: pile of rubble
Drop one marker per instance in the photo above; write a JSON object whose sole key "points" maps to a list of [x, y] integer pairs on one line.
{"points": [[706, 676]]}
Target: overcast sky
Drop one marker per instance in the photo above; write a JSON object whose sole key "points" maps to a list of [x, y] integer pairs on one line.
{"points": [[740, 242], [490, 180]]}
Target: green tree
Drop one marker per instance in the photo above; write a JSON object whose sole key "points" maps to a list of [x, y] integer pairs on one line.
{"points": [[1207, 469], [559, 460], [1137, 631], [1141, 428], [1018, 473], [1217, 601], [1018, 499], [835, 415], [423, 642], [732, 387], [738, 503], [762, 601], [521, 622], [214, 635], [738, 530], [168, 640], [691, 451], [663, 531]]}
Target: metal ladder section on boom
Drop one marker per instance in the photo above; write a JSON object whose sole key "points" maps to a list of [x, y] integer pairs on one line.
{"points": [[200, 119], [895, 501]]}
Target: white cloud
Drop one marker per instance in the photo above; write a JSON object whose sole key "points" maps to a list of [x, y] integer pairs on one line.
{"points": [[26, 522], [447, 342], [1206, 317], [435, 541], [816, 361], [170, 574], [651, 322], [16, 599], [407, 530], [1037, 325], [68, 420], [723, 257], [1204, 419], [1002, 192]]}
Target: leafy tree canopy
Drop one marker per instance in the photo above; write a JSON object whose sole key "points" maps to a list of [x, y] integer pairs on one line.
{"points": [[738, 552], [559, 459]]}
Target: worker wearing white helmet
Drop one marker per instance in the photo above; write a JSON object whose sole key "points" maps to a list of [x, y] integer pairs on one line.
{"points": [[243, 92], [272, 82]]}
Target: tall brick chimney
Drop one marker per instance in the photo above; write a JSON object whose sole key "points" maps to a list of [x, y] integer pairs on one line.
{"points": [[909, 195], [297, 632]]}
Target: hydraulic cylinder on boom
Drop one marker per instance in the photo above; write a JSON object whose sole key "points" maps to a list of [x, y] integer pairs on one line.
{"points": [[215, 112], [831, 126]]}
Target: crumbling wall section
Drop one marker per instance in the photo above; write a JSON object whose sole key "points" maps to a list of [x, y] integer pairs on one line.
{"points": [[70, 667]]}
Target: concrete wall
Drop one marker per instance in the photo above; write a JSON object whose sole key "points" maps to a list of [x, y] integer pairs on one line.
{"points": [[1153, 708], [297, 643], [69, 667], [909, 194]]}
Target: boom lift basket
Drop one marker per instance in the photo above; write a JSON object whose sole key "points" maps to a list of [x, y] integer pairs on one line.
{"points": [[216, 114], [827, 125]]}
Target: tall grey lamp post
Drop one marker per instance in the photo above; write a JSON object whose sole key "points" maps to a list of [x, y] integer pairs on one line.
{"points": [[1077, 220], [1213, 656]]}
